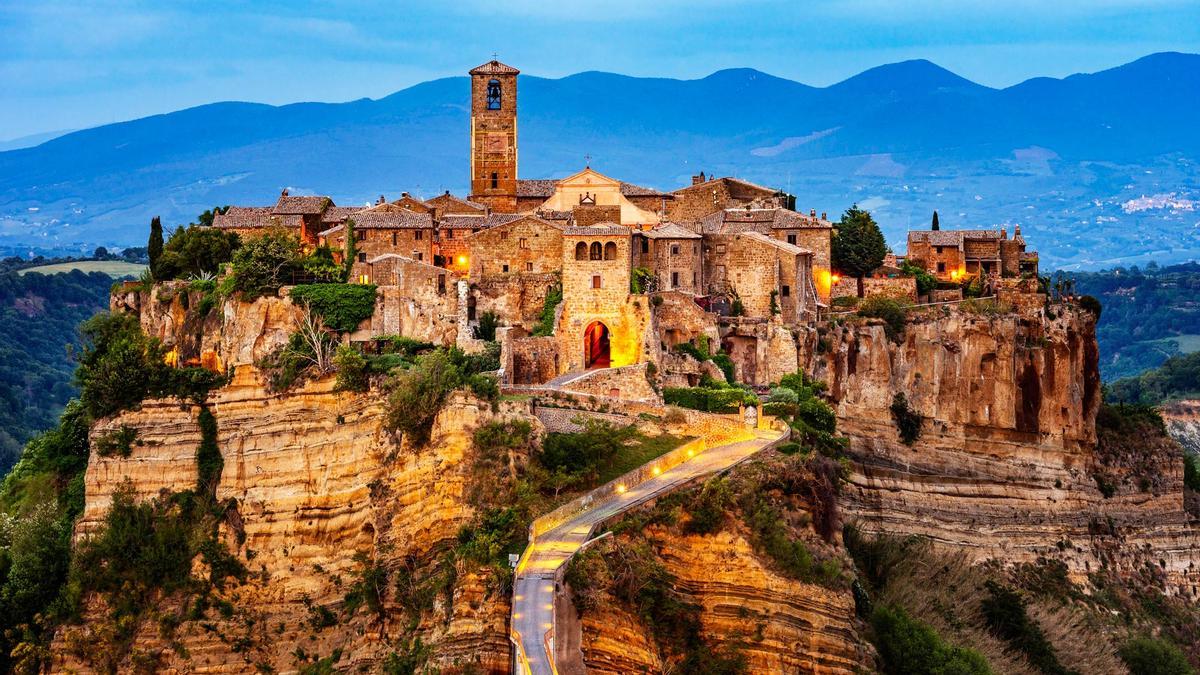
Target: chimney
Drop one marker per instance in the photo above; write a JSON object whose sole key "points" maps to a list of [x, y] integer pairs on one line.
{"points": [[1004, 233], [823, 217], [698, 178], [1016, 230], [381, 200], [284, 193], [812, 213], [447, 193]]}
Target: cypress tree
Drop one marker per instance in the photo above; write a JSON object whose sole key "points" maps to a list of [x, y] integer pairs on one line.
{"points": [[349, 248], [935, 222], [858, 247], [154, 248]]}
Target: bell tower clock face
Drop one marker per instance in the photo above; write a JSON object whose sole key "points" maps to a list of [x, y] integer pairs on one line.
{"points": [[496, 143]]}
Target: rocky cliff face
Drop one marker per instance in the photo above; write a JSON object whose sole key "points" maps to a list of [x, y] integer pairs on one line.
{"points": [[1009, 463], [1183, 421]]}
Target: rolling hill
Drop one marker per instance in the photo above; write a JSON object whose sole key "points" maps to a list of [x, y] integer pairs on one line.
{"points": [[1069, 159]]}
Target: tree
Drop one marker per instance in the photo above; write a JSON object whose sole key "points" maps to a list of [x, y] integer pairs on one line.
{"points": [[206, 219], [195, 250], [100, 253], [264, 263], [155, 247], [935, 222], [858, 245]]}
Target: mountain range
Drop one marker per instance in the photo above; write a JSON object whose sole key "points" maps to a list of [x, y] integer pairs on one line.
{"points": [[1099, 169]]}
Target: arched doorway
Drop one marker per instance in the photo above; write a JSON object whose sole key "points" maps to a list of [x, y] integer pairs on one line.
{"points": [[595, 346]]}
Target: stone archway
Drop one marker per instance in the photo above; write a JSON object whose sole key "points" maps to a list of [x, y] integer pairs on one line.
{"points": [[595, 346]]}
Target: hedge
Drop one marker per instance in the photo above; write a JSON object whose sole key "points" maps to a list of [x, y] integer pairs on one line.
{"points": [[341, 306]]}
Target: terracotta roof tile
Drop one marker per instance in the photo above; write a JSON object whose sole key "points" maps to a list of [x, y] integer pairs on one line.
{"points": [[670, 231], [392, 220], [601, 229], [541, 187], [301, 205], [494, 67]]}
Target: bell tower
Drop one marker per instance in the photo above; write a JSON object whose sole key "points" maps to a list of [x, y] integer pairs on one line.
{"points": [[494, 136]]}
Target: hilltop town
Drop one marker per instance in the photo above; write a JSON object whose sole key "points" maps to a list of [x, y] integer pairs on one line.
{"points": [[731, 263]]}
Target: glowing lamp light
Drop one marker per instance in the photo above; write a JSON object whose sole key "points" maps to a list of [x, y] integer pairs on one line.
{"points": [[691, 453], [620, 489], [656, 471], [462, 260], [954, 274], [834, 278]]}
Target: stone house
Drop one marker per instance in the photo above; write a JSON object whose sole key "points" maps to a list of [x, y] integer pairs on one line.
{"points": [[514, 246], [771, 277], [299, 214], [951, 255], [708, 195], [808, 232], [596, 329], [672, 253], [382, 230]]}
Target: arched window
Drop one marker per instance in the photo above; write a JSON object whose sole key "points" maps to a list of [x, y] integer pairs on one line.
{"points": [[610, 251], [597, 253], [493, 95], [581, 252]]}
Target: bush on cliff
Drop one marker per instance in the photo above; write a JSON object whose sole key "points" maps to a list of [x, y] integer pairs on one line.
{"points": [[892, 311], [797, 401], [262, 264], [1152, 656], [1004, 612], [908, 421], [909, 647], [194, 251], [341, 306], [417, 394], [353, 371]]}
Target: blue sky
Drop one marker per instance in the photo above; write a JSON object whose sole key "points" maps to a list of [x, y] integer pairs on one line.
{"points": [[66, 65]]}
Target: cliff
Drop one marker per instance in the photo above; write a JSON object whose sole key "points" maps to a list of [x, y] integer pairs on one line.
{"points": [[1009, 463]]}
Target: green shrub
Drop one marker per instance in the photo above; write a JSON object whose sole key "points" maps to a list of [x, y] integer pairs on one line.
{"points": [[341, 306], [195, 250], [288, 364], [813, 421], [926, 282], [583, 452], [708, 399], [408, 659], [321, 267], [908, 647], [892, 311], [1151, 656], [1191, 471], [118, 442], [641, 280], [1090, 304], [1005, 615], [399, 344], [725, 363], [353, 372], [708, 509], [494, 535], [486, 329], [209, 462], [415, 395], [118, 366], [368, 587], [908, 422], [769, 534], [545, 324], [263, 263]]}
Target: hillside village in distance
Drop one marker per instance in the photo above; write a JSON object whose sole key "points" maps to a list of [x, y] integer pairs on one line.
{"points": [[734, 264]]}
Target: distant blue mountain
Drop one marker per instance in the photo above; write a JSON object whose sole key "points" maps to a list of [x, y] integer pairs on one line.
{"points": [[1062, 157]]}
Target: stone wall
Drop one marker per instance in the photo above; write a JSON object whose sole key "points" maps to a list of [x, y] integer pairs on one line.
{"points": [[415, 243], [676, 263], [904, 288], [535, 360], [629, 382], [417, 309], [517, 298], [817, 240], [594, 214], [526, 246], [758, 271]]}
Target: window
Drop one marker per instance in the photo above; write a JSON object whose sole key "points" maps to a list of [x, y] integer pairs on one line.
{"points": [[503, 235], [418, 256], [674, 249], [528, 267], [441, 284], [418, 235], [610, 251], [495, 180], [393, 239], [581, 251], [493, 95], [674, 279], [523, 243], [941, 267], [505, 269], [791, 239], [645, 245], [449, 234], [939, 250], [720, 248], [362, 257], [596, 252], [595, 281], [362, 236], [787, 291]]}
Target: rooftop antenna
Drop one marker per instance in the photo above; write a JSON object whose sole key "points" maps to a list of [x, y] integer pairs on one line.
{"points": [[587, 161]]}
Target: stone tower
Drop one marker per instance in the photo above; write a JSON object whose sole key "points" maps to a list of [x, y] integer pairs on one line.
{"points": [[494, 136]]}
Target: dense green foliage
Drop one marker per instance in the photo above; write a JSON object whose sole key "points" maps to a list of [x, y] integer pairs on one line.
{"points": [[892, 311], [415, 395], [341, 306], [263, 264], [909, 647], [486, 328], [858, 246], [39, 317], [353, 371], [908, 421], [641, 280], [797, 401], [545, 324], [1177, 378], [584, 452], [195, 250], [154, 246], [1152, 656], [926, 282], [1146, 311], [701, 353], [710, 396], [1004, 612]]}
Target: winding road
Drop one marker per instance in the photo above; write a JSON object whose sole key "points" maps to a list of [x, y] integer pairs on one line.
{"points": [[536, 582]]}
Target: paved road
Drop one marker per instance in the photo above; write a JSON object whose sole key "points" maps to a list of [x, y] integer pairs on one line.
{"points": [[534, 587]]}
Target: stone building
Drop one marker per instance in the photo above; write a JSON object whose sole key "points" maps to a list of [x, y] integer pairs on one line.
{"points": [[520, 245], [639, 206], [708, 195], [595, 329], [453, 237], [382, 230], [301, 215], [494, 136], [809, 232], [954, 254], [672, 253], [770, 277]]}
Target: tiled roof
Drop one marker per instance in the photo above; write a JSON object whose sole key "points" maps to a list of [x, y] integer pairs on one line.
{"points": [[447, 197], [462, 222], [301, 205], [737, 188], [243, 216], [542, 187], [392, 220], [554, 215], [631, 190], [602, 229], [733, 221], [952, 237], [670, 231], [494, 67], [503, 219], [338, 214], [777, 243]]}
